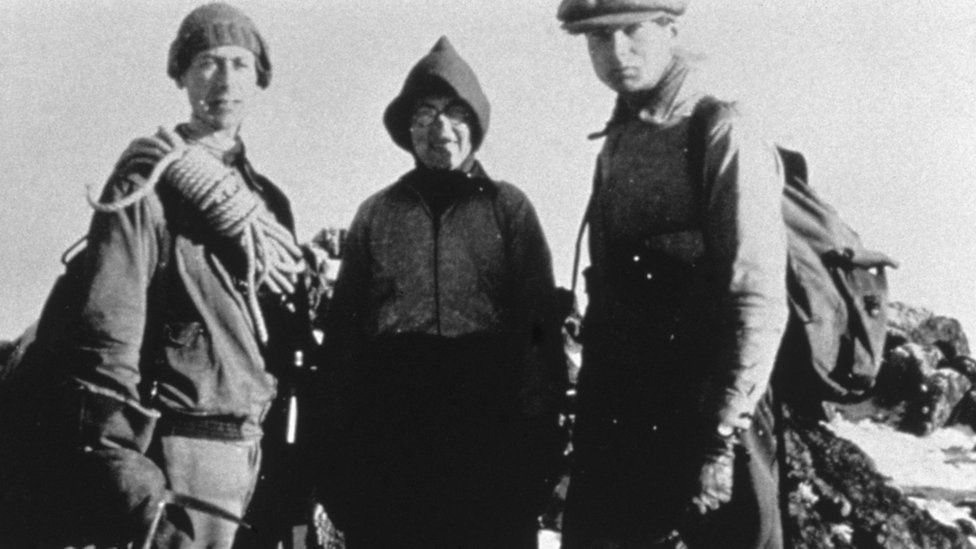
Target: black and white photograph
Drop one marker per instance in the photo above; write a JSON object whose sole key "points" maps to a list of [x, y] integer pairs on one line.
{"points": [[557, 274]]}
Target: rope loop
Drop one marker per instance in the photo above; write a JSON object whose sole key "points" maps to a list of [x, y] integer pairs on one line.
{"points": [[230, 209]]}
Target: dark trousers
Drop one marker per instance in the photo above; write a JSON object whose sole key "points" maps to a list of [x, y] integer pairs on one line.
{"points": [[433, 458], [631, 491], [638, 447]]}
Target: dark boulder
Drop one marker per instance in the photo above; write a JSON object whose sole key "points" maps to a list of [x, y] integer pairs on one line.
{"points": [[939, 396], [7, 350], [919, 325], [918, 391]]}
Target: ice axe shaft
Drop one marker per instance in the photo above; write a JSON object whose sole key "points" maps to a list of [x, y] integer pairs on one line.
{"points": [[154, 525]]}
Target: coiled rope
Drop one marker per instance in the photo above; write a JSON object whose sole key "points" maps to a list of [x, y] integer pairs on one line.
{"points": [[231, 209]]}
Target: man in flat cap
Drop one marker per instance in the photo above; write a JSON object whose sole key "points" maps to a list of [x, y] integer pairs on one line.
{"points": [[182, 305], [687, 303]]}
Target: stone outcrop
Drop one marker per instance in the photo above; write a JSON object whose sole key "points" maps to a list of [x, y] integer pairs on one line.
{"points": [[836, 499], [835, 496], [919, 325]]}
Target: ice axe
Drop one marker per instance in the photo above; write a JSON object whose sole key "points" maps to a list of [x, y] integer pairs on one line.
{"points": [[187, 502]]}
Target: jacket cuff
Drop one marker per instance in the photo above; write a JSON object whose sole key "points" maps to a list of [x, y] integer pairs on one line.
{"points": [[107, 419], [734, 412]]}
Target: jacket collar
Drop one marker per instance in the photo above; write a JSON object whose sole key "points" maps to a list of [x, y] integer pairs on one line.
{"points": [[660, 105], [474, 179]]}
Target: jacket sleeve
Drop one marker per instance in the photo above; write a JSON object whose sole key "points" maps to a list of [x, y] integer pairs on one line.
{"points": [[108, 342], [544, 375], [344, 325], [745, 240], [345, 334]]}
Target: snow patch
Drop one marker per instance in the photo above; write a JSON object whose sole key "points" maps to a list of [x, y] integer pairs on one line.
{"points": [[945, 459]]}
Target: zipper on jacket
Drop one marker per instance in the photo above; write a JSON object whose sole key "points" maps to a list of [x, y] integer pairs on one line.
{"points": [[435, 229], [437, 270]]}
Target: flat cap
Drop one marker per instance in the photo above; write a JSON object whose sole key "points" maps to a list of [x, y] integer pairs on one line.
{"points": [[583, 15]]}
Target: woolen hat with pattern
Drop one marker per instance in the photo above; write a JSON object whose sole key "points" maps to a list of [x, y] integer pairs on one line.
{"points": [[580, 16], [212, 25], [442, 71]]}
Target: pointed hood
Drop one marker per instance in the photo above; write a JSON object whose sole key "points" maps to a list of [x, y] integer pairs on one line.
{"points": [[440, 71]]}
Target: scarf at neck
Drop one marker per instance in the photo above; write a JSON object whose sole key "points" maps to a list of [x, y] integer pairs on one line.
{"points": [[440, 188]]}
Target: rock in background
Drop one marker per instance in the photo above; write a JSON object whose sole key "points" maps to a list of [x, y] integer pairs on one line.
{"points": [[7, 349], [897, 470], [836, 498], [919, 325]]}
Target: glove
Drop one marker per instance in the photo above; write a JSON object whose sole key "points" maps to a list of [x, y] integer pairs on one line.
{"points": [[118, 491], [715, 477], [110, 491]]}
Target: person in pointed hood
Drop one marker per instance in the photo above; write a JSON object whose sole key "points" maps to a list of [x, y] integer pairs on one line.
{"points": [[440, 72], [443, 367]]}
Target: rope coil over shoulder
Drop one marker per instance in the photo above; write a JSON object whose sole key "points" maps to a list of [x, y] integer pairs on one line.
{"points": [[231, 210]]}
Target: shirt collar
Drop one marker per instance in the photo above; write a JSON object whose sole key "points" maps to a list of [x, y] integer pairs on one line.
{"points": [[659, 105]]}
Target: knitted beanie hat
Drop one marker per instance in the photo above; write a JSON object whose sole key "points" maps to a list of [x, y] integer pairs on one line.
{"points": [[213, 25], [580, 16], [442, 71]]}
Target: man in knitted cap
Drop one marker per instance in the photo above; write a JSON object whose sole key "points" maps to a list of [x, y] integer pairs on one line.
{"points": [[178, 319], [687, 303], [444, 371]]}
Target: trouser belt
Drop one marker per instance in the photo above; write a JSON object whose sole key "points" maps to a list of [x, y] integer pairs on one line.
{"points": [[207, 427]]}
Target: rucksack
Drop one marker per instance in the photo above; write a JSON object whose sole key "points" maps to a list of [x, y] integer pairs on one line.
{"points": [[29, 399], [35, 395], [838, 290], [38, 344]]}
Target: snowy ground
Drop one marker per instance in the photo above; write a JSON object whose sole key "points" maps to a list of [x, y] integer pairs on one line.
{"points": [[943, 460], [933, 470]]}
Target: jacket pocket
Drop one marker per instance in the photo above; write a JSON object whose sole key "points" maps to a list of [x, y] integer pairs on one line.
{"points": [[187, 346]]}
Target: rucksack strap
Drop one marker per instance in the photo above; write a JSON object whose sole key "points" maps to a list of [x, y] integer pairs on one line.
{"points": [[577, 250], [74, 249], [579, 244], [699, 126]]}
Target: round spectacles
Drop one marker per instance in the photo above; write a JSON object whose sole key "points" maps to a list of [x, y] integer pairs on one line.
{"points": [[425, 115]]}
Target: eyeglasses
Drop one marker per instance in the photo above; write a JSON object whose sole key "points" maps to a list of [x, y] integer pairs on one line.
{"points": [[456, 114]]}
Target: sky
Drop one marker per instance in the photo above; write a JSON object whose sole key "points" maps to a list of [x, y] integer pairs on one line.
{"points": [[880, 95]]}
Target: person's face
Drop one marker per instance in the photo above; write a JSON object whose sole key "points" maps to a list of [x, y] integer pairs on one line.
{"points": [[219, 84], [634, 57], [440, 130]]}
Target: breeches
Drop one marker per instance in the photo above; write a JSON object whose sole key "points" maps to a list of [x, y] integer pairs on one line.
{"points": [[220, 472]]}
